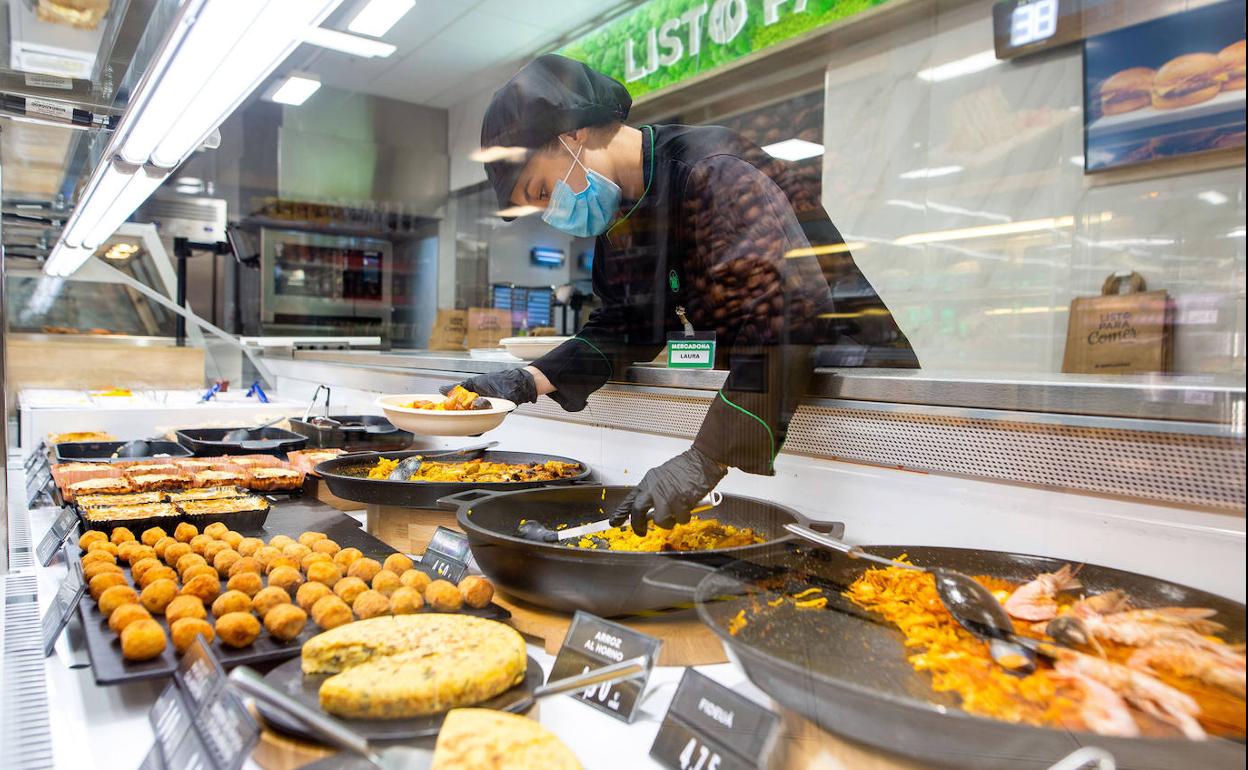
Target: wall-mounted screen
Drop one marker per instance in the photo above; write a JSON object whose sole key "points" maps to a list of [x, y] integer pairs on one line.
{"points": [[1165, 88]]}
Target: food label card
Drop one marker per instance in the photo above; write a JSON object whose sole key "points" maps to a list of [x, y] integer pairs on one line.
{"points": [[710, 727], [224, 732], [592, 643], [56, 534], [63, 605], [447, 556], [170, 720], [200, 675], [228, 731]]}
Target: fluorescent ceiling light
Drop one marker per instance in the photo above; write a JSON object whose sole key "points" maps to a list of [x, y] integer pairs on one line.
{"points": [[987, 231], [348, 44], [831, 248], [296, 89], [495, 154], [518, 211], [1026, 310], [66, 259], [214, 55], [1213, 197], [1076, 160], [379, 16], [959, 67], [928, 173], [793, 149], [1238, 232]]}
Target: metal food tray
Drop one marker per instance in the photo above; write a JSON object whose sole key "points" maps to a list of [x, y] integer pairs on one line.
{"points": [[346, 477], [104, 647], [206, 442], [384, 436], [102, 451], [242, 520]]}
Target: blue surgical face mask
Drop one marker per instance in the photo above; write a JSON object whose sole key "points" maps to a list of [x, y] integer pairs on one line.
{"points": [[585, 213]]}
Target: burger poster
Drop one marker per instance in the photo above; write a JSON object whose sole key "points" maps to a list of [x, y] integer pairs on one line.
{"points": [[1166, 88]]}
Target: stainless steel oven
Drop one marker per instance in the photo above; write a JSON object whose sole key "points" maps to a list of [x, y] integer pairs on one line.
{"points": [[319, 278]]}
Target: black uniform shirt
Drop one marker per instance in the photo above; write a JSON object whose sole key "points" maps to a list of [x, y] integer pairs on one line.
{"points": [[715, 233]]}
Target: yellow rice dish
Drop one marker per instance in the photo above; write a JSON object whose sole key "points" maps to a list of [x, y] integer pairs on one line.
{"points": [[697, 535], [481, 471]]}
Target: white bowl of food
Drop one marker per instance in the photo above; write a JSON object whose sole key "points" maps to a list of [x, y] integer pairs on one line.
{"points": [[433, 414], [529, 348]]}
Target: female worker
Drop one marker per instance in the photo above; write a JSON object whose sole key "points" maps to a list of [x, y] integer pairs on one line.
{"points": [[694, 234]]}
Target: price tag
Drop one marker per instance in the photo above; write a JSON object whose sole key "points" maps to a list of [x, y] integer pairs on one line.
{"points": [[200, 675], [153, 760], [710, 727], [190, 754], [55, 535], [447, 555], [592, 643], [228, 731], [169, 719], [37, 482], [63, 605]]}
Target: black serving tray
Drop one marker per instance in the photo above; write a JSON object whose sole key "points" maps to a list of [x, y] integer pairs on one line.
{"points": [[241, 522], [289, 679], [210, 441], [101, 451], [361, 432], [291, 518]]}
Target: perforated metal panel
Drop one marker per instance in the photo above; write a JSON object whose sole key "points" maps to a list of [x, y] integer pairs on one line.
{"points": [[1203, 471], [24, 732]]}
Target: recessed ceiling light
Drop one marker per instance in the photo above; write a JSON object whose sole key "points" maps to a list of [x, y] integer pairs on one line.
{"points": [[928, 173], [793, 149], [296, 89], [959, 67], [1213, 197], [379, 16], [348, 44]]}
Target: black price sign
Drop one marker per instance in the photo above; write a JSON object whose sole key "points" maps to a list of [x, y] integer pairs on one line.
{"points": [[56, 534], [36, 482], [153, 760], [447, 555], [223, 733], [200, 675], [592, 643], [190, 754], [170, 720], [63, 605], [710, 727], [227, 730]]}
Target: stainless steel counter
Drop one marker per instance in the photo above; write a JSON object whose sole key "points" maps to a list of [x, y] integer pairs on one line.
{"points": [[1186, 398]]}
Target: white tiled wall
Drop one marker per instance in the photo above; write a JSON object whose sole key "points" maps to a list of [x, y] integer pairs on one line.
{"points": [[1015, 131]]}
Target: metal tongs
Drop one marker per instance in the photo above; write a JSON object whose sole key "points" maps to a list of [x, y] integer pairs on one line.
{"points": [[539, 532], [344, 738], [411, 466], [968, 601]]}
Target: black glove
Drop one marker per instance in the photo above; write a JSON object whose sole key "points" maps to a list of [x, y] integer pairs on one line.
{"points": [[671, 489], [512, 384]]}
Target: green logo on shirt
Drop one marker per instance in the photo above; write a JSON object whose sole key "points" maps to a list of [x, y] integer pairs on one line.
{"points": [[673, 280]]}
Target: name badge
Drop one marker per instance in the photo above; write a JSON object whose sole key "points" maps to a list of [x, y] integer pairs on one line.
{"points": [[447, 556], [56, 534], [592, 643], [63, 605], [710, 727], [691, 352]]}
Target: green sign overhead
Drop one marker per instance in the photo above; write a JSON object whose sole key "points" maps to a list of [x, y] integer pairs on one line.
{"points": [[666, 41]]}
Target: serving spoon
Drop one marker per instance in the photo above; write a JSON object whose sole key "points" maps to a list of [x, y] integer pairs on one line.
{"points": [[971, 604], [344, 738]]}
